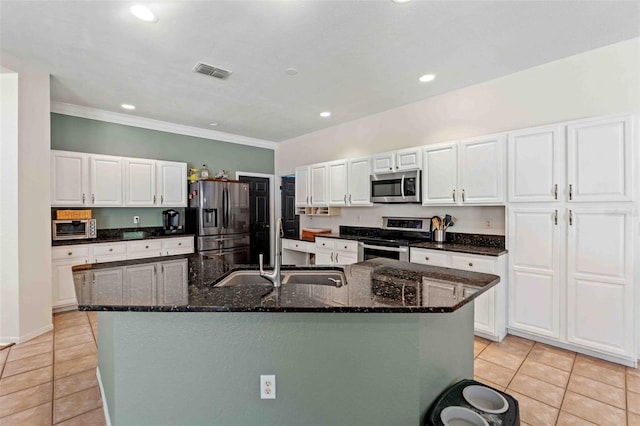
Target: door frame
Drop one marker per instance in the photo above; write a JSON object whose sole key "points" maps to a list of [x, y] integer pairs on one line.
{"points": [[272, 195]]}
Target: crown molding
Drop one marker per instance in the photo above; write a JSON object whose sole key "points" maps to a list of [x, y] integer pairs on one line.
{"points": [[163, 126]]}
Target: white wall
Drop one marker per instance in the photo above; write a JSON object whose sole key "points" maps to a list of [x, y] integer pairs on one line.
{"points": [[31, 206], [597, 82]]}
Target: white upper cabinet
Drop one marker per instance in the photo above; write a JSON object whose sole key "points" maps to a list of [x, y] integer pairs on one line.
{"points": [[171, 184], [384, 162], [140, 182], [338, 182], [395, 161], [360, 182], [482, 166], [536, 164], [440, 174], [599, 159], [69, 179], [106, 180], [318, 193], [302, 186]]}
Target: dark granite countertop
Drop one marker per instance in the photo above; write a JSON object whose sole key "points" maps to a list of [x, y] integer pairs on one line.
{"points": [[461, 248], [189, 284], [117, 236]]}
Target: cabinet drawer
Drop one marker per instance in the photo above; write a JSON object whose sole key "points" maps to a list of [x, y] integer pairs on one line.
{"points": [[324, 243], [147, 248], [346, 246], [101, 250], [473, 263], [68, 252], [177, 243], [303, 246], [429, 257]]}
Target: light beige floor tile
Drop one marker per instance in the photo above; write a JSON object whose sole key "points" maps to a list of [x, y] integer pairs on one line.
{"points": [[74, 366], [546, 373], [74, 383], [4, 354], [65, 354], [27, 364], [25, 399], [502, 357], [566, 419], [592, 410], [19, 352], [77, 403], [67, 322], [93, 316], [535, 412], [64, 316], [72, 331], [478, 347], [597, 390], [633, 382], [93, 418], [488, 383], [633, 419], [25, 380], [514, 345], [46, 337], [74, 340], [601, 371], [537, 389], [633, 399], [36, 416], [493, 372], [554, 357]]}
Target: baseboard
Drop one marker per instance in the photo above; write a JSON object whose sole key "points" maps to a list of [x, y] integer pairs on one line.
{"points": [[65, 308], [104, 400], [29, 336]]}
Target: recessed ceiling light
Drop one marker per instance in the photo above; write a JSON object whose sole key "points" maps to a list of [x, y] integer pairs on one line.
{"points": [[128, 106], [427, 77], [215, 123], [400, 1], [291, 71], [325, 114], [143, 13]]}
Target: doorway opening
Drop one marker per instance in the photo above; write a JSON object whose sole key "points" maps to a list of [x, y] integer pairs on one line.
{"points": [[260, 201], [290, 220]]}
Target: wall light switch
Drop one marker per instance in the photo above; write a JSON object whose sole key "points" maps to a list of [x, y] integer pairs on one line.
{"points": [[267, 386]]}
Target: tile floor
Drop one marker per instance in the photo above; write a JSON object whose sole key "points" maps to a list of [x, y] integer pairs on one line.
{"points": [[51, 380]]}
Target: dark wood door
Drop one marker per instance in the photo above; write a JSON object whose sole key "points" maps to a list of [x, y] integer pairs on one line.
{"points": [[290, 221], [259, 218]]}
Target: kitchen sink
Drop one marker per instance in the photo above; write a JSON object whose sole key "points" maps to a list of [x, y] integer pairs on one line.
{"points": [[316, 277]]}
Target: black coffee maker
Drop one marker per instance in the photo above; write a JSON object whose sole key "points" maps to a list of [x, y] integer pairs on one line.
{"points": [[171, 222]]}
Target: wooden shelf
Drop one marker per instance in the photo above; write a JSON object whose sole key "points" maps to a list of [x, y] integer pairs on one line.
{"points": [[318, 211]]}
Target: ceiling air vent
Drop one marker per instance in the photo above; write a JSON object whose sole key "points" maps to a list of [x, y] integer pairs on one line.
{"points": [[212, 71]]}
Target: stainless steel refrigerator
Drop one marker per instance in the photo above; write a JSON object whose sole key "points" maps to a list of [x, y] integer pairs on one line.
{"points": [[218, 214]]}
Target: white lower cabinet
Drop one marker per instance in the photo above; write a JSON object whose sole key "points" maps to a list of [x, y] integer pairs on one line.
{"points": [[296, 252], [65, 257], [141, 284], [173, 283], [490, 308], [332, 251]]}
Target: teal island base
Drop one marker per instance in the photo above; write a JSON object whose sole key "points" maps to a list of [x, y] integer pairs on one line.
{"points": [[186, 368]]}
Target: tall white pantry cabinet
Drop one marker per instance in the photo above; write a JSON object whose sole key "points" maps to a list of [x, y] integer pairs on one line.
{"points": [[572, 222]]}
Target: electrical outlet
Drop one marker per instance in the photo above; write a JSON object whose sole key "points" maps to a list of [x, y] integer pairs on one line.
{"points": [[136, 219], [267, 386]]}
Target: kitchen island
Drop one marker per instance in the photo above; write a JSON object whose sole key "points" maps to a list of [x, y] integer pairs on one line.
{"points": [[177, 346]]}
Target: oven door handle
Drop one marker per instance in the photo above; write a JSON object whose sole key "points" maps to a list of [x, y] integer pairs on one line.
{"points": [[385, 248], [402, 187]]}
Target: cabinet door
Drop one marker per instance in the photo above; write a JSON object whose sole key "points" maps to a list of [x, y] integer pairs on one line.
{"points": [[141, 284], [172, 184], [534, 273], [144, 249], [318, 195], [63, 288], [302, 186], [69, 179], [429, 257], [139, 182], [360, 182], [599, 280], [108, 287], [482, 170], [599, 160], [338, 183], [173, 246], [172, 288], [409, 159], [440, 174], [324, 257], [536, 164], [383, 163], [345, 258], [106, 180]]}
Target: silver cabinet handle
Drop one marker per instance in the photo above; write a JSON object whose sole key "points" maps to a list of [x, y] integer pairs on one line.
{"points": [[93, 198], [345, 198], [110, 249], [331, 256], [311, 198], [426, 258], [454, 195], [555, 217], [463, 195], [570, 192], [337, 261], [83, 199], [390, 168], [307, 199], [146, 246], [349, 198], [154, 199], [70, 253], [162, 199], [570, 217], [179, 244], [555, 191], [471, 264]]}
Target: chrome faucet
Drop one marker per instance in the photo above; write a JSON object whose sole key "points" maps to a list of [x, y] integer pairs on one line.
{"points": [[274, 276]]}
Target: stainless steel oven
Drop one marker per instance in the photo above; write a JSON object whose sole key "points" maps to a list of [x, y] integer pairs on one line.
{"points": [[403, 187], [73, 229], [371, 251]]}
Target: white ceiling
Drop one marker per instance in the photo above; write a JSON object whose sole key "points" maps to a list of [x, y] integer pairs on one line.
{"points": [[354, 58]]}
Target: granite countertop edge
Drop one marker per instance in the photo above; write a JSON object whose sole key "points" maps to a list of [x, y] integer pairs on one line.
{"points": [[115, 240]]}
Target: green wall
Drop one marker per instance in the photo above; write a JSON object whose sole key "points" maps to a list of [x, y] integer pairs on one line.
{"points": [[98, 137]]}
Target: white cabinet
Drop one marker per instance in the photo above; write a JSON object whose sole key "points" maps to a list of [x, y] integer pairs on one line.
{"points": [[406, 159], [140, 284], [106, 180], [600, 294], [318, 187], [360, 182], [482, 170], [296, 252], [108, 252], [171, 184], [107, 287], [69, 179], [600, 159], [534, 273], [338, 182], [536, 164], [144, 248], [62, 285], [332, 251], [173, 282], [440, 174], [490, 311], [302, 186], [140, 182], [177, 245]]}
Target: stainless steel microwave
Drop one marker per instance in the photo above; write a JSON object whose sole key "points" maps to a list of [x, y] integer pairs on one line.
{"points": [[402, 187], [73, 229]]}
